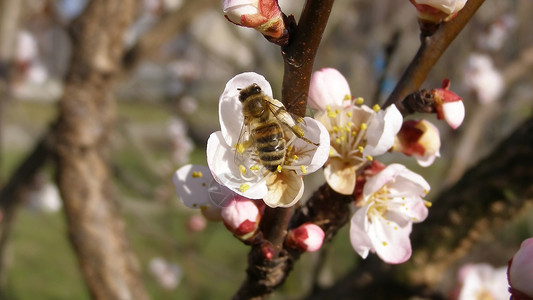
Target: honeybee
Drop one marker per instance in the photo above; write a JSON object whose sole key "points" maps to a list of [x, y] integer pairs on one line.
{"points": [[266, 127]]}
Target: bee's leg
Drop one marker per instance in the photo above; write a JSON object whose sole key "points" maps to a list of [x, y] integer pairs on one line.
{"points": [[299, 132]]}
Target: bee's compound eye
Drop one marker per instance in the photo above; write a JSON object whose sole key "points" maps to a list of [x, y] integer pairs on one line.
{"points": [[256, 89]]}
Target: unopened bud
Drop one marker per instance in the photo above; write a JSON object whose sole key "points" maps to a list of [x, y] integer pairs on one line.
{"points": [[263, 15], [307, 237], [241, 216], [433, 12], [449, 106]]}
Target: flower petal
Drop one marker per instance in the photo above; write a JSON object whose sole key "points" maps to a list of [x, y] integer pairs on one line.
{"points": [[328, 87], [192, 183], [312, 157], [375, 183], [230, 108], [359, 239], [391, 241], [220, 158], [453, 113], [340, 176], [382, 130], [284, 189]]}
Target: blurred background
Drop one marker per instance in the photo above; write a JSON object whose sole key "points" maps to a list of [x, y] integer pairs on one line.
{"points": [[179, 56]]}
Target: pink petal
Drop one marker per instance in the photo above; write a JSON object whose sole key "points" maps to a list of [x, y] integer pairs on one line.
{"points": [[328, 87]]}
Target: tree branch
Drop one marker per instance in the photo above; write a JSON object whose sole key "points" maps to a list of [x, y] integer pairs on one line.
{"points": [[265, 274], [431, 49]]}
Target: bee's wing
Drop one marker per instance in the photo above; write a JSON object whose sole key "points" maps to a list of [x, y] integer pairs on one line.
{"points": [[244, 143], [294, 123]]}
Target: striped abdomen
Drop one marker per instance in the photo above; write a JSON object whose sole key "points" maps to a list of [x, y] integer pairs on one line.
{"points": [[270, 144]]}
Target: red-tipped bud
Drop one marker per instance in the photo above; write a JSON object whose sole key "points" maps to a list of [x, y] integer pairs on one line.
{"points": [[263, 15], [307, 237], [241, 216], [267, 250], [419, 139], [520, 272], [449, 106]]}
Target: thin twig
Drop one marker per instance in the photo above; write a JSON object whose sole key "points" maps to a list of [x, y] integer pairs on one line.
{"points": [[431, 49]]}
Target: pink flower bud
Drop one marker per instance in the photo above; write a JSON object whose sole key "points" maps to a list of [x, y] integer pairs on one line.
{"points": [[420, 139], [241, 216], [520, 272], [436, 11], [307, 237], [449, 106], [263, 15]]}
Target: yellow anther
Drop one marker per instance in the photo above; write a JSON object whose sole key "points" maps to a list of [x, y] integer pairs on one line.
{"points": [[332, 114], [369, 158], [328, 108], [384, 243], [331, 152], [359, 100], [427, 204], [376, 107], [337, 111], [347, 97], [242, 169], [239, 147], [426, 191], [197, 174], [364, 126], [335, 129], [244, 187], [338, 140], [304, 169], [349, 124], [278, 168], [254, 168], [349, 114], [294, 157], [360, 148]]}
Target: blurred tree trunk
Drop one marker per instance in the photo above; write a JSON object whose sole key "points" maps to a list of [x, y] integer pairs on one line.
{"points": [[87, 112]]}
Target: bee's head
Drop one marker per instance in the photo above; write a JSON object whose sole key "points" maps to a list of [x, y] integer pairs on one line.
{"points": [[248, 91]]}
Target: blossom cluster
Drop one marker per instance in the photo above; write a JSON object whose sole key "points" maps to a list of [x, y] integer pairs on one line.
{"points": [[344, 137]]}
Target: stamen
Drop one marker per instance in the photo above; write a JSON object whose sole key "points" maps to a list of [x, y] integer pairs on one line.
{"points": [[364, 126], [278, 168], [369, 157], [197, 174], [244, 187], [304, 169], [242, 169], [359, 100], [427, 203]]}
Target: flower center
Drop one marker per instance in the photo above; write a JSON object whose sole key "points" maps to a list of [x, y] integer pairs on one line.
{"points": [[348, 128]]}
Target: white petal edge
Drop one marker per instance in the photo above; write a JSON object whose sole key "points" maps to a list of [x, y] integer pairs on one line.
{"points": [[230, 108]]}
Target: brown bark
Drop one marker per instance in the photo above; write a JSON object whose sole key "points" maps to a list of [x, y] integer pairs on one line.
{"points": [[86, 110]]}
